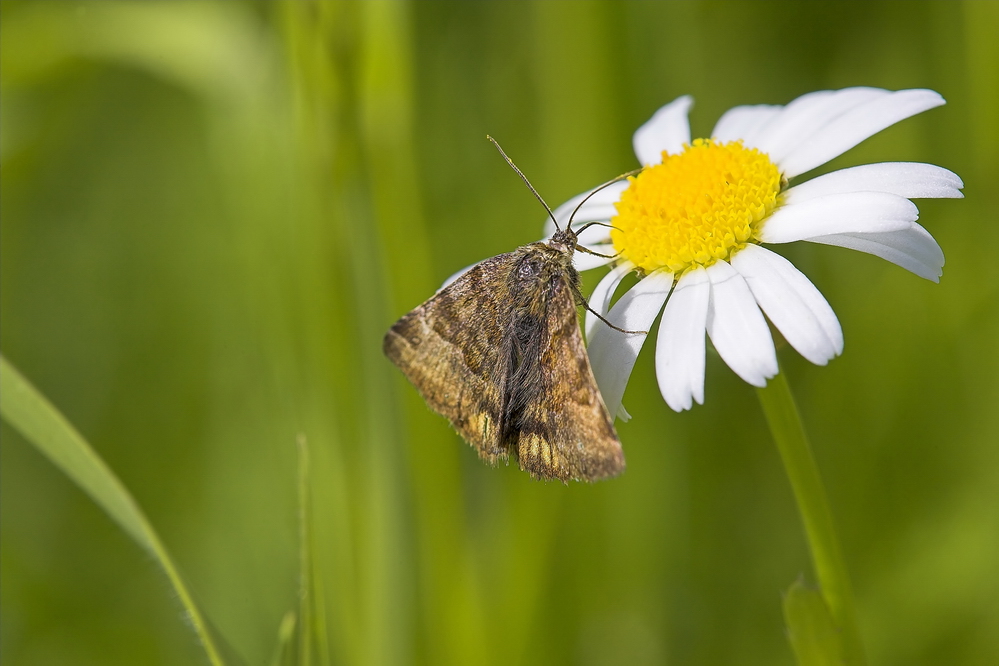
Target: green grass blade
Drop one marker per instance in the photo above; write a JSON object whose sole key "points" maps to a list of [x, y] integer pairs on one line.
{"points": [[306, 591], [27, 410], [313, 637]]}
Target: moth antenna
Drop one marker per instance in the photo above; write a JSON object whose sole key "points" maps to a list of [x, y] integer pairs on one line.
{"points": [[596, 254], [524, 178], [589, 251], [602, 224], [605, 185], [586, 305]]}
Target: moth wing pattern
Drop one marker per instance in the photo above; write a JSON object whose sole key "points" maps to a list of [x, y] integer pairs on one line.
{"points": [[450, 348], [570, 434]]}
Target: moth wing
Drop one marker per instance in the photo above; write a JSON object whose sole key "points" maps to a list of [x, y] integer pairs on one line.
{"points": [[568, 434], [449, 348]]}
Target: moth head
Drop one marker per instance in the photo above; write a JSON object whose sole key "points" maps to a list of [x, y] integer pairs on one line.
{"points": [[563, 241]]}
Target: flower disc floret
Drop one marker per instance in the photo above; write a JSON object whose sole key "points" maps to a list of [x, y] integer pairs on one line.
{"points": [[696, 207]]}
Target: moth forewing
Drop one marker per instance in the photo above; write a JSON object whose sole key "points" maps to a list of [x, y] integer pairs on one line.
{"points": [[450, 355]]}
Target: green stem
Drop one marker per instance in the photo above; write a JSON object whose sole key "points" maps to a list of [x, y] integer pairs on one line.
{"points": [[834, 583]]}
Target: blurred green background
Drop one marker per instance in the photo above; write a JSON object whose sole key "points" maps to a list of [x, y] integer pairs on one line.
{"points": [[212, 212]]}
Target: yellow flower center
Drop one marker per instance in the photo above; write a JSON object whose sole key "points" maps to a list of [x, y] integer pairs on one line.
{"points": [[701, 205]]}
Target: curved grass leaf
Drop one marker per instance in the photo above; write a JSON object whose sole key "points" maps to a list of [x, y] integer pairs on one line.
{"points": [[27, 410]]}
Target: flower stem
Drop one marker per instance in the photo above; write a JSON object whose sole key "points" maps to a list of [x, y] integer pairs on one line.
{"points": [[834, 583]]}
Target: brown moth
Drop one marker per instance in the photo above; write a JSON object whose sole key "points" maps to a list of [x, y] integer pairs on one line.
{"points": [[499, 353]]}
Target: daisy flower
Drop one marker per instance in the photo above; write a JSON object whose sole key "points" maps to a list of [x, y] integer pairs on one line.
{"points": [[694, 223]]}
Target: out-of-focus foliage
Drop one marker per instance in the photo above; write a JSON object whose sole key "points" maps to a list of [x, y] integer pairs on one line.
{"points": [[212, 211]]}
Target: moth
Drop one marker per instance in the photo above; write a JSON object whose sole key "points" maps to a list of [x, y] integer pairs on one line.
{"points": [[499, 353]]}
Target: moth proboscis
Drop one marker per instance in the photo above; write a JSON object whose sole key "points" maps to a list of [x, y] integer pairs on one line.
{"points": [[499, 353]]}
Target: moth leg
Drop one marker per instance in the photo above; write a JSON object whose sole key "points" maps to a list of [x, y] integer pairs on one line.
{"points": [[582, 301]]}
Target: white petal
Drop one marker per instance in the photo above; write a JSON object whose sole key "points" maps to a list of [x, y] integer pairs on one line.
{"points": [[791, 302], [853, 126], [600, 299], [680, 347], [805, 116], [737, 327], [598, 208], [584, 262], [668, 130], [911, 180], [612, 353], [744, 122], [862, 212], [914, 249]]}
